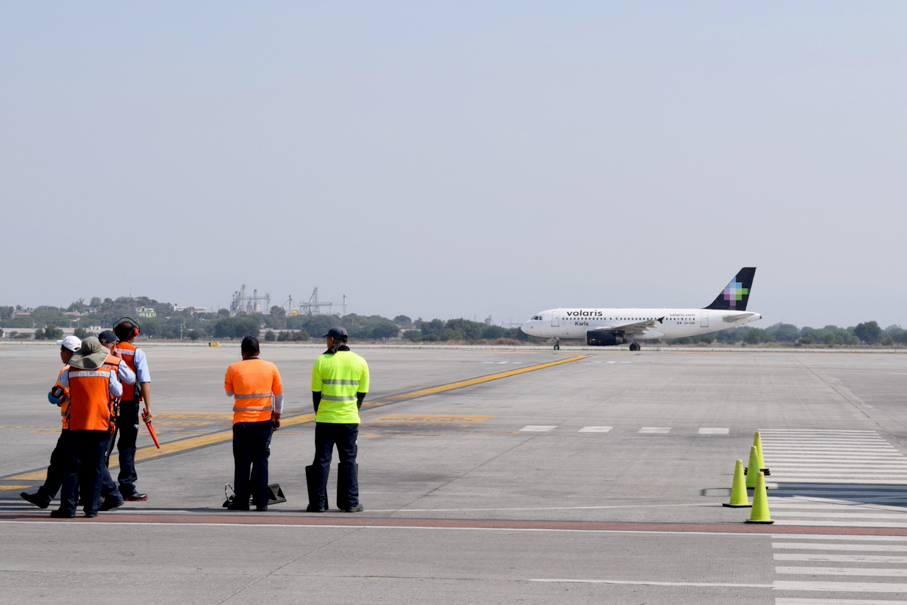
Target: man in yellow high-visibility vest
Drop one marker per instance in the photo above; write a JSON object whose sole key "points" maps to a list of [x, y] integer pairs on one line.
{"points": [[340, 382]]}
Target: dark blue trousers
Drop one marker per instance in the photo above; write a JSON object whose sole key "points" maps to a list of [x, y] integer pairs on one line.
{"points": [[344, 436], [251, 448], [128, 425], [84, 451], [56, 470]]}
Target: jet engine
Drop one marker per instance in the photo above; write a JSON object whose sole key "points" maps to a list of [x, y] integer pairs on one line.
{"points": [[604, 338]]}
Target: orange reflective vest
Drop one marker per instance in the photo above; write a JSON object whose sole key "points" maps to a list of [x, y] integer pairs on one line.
{"points": [[89, 391], [127, 350], [253, 382], [64, 405]]}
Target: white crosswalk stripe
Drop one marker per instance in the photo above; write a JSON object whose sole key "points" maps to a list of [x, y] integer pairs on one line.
{"points": [[854, 474], [837, 602], [852, 572], [837, 478], [646, 430]]}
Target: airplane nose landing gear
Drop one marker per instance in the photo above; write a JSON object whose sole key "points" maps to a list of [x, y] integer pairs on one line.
{"points": [[634, 346], [557, 344]]}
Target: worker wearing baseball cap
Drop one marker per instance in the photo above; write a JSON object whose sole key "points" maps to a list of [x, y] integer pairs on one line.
{"points": [[57, 396], [340, 381]]}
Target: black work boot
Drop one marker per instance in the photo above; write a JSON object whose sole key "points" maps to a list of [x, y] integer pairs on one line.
{"points": [[38, 499]]}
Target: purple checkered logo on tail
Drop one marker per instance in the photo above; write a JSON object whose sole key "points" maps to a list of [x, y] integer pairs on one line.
{"points": [[734, 292]]}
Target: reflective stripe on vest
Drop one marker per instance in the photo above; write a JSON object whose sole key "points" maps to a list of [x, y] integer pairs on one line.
{"points": [[252, 408]]}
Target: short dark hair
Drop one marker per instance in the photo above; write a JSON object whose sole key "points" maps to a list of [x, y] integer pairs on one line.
{"points": [[124, 330], [249, 345]]}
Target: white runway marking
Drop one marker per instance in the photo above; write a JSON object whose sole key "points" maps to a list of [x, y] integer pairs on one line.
{"points": [[892, 572], [537, 428], [845, 467], [839, 586], [706, 431], [825, 558], [645, 583], [850, 471], [851, 514], [655, 429], [838, 537], [832, 546], [595, 429], [837, 602]]}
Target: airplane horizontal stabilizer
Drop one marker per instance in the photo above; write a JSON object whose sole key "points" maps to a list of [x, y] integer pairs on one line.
{"points": [[732, 318]]}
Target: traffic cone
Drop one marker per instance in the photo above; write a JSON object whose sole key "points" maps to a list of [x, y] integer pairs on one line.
{"points": [[739, 499], [754, 467], [760, 502], [757, 441]]}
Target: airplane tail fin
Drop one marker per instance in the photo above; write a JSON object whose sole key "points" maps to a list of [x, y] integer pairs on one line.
{"points": [[736, 294]]}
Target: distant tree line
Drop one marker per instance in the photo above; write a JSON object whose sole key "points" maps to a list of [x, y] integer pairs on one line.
{"points": [[274, 326], [869, 333], [278, 326]]}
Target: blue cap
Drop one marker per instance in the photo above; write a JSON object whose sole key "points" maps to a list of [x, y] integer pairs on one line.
{"points": [[108, 336], [337, 333]]}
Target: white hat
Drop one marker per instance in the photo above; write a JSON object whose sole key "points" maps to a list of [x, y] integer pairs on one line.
{"points": [[71, 342]]}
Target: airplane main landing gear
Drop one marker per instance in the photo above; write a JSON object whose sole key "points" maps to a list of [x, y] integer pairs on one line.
{"points": [[634, 346]]}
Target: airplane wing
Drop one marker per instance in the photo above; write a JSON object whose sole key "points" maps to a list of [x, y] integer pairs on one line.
{"points": [[737, 317], [637, 327]]}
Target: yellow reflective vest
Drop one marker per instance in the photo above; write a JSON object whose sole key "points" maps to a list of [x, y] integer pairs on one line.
{"points": [[338, 377]]}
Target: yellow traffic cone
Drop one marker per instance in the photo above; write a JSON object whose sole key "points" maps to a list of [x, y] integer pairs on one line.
{"points": [[760, 502], [753, 469], [757, 441], [739, 499]]}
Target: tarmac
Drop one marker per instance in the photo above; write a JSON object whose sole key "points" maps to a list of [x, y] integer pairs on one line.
{"points": [[490, 475]]}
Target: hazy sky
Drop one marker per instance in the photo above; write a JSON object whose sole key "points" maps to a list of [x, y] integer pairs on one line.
{"points": [[448, 159]]}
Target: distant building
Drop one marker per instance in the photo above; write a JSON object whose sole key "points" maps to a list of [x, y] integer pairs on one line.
{"points": [[146, 312], [190, 310]]}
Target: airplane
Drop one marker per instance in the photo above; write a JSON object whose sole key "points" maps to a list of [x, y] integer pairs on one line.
{"points": [[610, 327]]}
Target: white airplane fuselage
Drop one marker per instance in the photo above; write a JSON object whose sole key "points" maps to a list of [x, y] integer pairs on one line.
{"points": [[663, 323]]}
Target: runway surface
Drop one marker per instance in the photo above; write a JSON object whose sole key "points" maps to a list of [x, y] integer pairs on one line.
{"points": [[492, 475]]}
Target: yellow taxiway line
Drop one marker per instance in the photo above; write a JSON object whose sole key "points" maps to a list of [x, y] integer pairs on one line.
{"points": [[182, 445]]}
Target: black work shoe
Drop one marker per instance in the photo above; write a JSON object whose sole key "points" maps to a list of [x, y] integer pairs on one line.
{"points": [[135, 497], [353, 509], [35, 499], [91, 514], [237, 506], [261, 507], [311, 508], [110, 503], [61, 514]]}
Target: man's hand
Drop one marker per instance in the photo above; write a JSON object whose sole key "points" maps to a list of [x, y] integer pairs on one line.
{"points": [[115, 352], [275, 420]]}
